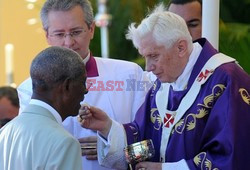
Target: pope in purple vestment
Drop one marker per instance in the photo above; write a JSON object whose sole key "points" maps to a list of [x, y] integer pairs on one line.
{"points": [[197, 112], [213, 131]]}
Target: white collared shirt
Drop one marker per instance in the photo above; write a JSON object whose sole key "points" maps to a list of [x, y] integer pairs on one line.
{"points": [[85, 60], [182, 80], [48, 107]]}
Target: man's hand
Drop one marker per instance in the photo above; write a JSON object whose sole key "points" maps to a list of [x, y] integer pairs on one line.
{"points": [[148, 166], [95, 119], [88, 146]]}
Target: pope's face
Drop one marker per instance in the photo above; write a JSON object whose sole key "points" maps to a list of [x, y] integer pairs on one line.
{"points": [[69, 29], [191, 13], [165, 63]]}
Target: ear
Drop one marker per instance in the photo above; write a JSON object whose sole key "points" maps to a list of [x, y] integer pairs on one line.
{"points": [[62, 95], [66, 85], [47, 37], [182, 47], [92, 29], [65, 90]]}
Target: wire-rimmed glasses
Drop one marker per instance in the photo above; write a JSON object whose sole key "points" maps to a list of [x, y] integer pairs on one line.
{"points": [[60, 36]]}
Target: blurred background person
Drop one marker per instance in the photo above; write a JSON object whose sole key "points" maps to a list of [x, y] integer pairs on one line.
{"points": [[191, 12], [9, 104]]}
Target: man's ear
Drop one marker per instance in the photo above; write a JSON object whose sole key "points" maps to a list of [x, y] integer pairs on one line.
{"points": [[182, 47], [47, 37], [92, 29], [66, 84], [66, 90]]}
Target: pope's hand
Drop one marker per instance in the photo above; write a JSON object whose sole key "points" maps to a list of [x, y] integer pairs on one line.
{"points": [[93, 118], [148, 166]]}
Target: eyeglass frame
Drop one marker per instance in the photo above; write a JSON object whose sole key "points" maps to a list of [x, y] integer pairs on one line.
{"points": [[62, 35]]}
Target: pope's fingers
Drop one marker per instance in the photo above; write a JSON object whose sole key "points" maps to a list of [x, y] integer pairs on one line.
{"points": [[85, 116], [83, 105], [80, 120], [95, 109], [141, 166], [84, 112], [148, 165]]}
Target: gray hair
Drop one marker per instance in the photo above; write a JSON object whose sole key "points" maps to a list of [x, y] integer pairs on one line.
{"points": [[165, 27], [55, 64], [66, 5]]}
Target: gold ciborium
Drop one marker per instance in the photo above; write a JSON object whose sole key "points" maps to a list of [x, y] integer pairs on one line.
{"points": [[140, 151]]}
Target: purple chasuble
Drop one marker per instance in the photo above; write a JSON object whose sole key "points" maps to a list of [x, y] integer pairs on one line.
{"points": [[213, 132]]}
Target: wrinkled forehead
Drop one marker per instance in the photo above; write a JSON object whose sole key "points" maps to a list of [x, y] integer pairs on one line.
{"points": [[148, 46], [66, 19]]}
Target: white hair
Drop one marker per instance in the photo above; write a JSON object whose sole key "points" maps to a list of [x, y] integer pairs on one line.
{"points": [[165, 28]]}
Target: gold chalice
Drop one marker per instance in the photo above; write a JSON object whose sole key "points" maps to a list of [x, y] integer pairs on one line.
{"points": [[140, 151]]}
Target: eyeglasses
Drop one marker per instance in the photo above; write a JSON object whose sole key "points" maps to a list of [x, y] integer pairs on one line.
{"points": [[62, 35]]}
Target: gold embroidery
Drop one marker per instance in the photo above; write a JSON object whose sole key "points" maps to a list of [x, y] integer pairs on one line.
{"points": [[153, 89], [189, 122], [202, 162], [154, 85], [216, 92], [155, 118], [179, 126], [208, 164], [202, 112], [245, 95], [197, 160]]}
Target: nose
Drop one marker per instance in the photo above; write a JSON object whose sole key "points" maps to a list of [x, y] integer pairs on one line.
{"points": [[149, 65], [69, 41]]}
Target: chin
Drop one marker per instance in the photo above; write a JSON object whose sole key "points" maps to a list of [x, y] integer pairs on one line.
{"points": [[165, 80], [75, 111]]}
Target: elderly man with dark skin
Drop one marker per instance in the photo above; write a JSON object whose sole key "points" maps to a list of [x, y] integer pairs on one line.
{"points": [[113, 84], [36, 139], [191, 12], [197, 113]]}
